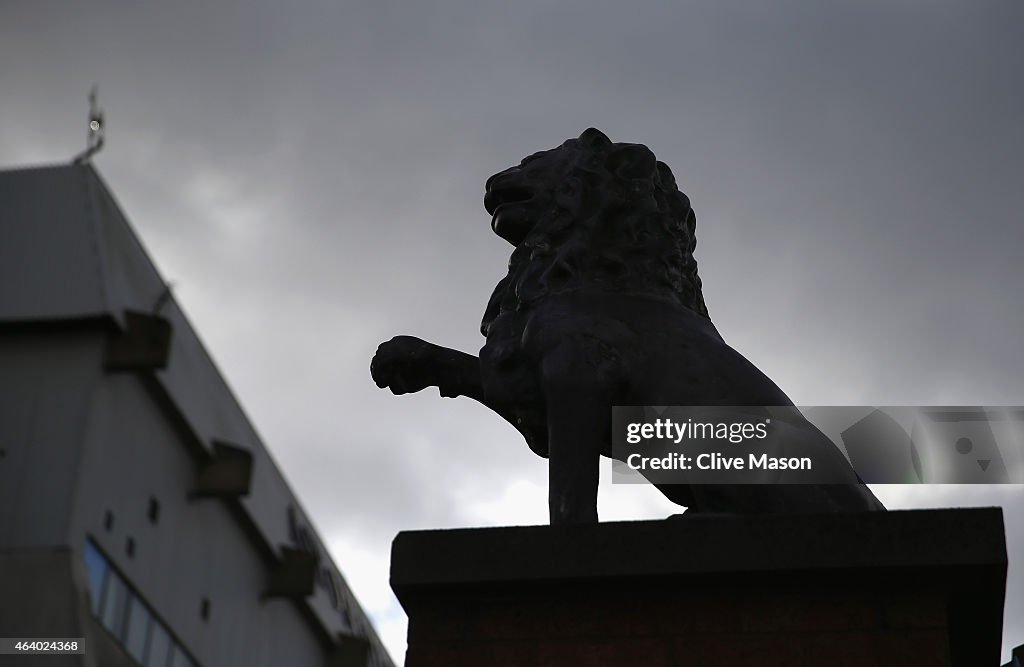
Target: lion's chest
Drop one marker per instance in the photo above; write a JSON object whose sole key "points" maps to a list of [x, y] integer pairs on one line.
{"points": [[507, 370], [522, 344]]}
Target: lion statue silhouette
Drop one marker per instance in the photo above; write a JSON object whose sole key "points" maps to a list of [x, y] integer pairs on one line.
{"points": [[602, 306]]}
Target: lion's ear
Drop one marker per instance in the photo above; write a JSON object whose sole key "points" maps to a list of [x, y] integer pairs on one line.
{"points": [[594, 138], [633, 161]]}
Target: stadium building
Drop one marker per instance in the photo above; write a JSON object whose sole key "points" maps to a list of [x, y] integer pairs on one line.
{"points": [[139, 509]]}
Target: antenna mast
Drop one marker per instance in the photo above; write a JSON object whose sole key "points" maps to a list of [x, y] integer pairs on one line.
{"points": [[94, 139]]}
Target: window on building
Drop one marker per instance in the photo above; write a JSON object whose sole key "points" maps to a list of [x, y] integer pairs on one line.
{"points": [[129, 619], [137, 631], [115, 599], [159, 646], [96, 566], [180, 659]]}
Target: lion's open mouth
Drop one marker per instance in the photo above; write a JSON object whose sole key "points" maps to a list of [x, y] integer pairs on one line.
{"points": [[509, 204], [500, 196]]}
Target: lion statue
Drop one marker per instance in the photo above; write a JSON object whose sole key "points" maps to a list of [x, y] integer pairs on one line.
{"points": [[602, 306]]}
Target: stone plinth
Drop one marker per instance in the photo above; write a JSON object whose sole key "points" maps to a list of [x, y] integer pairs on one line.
{"points": [[885, 588]]}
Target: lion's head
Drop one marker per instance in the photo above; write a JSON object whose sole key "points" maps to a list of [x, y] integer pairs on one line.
{"points": [[592, 214]]}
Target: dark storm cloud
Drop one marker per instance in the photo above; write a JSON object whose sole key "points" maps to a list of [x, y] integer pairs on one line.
{"points": [[310, 175]]}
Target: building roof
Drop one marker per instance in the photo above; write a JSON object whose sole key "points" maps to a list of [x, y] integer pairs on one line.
{"points": [[67, 251], [67, 254]]}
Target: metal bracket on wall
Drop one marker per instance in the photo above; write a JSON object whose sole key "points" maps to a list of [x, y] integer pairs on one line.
{"points": [[293, 576], [144, 345], [227, 475], [350, 651]]}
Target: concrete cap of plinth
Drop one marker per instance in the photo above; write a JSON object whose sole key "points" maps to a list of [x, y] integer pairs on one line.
{"points": [[961, 552]]}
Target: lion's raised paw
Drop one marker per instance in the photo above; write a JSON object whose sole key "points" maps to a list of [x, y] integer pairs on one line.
{"points": [[404, 364]]}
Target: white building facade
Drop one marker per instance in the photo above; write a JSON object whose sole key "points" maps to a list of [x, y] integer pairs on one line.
{"points": [[139, 509]]}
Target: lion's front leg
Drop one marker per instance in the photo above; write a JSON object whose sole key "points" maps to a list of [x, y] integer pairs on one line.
{"points": [[406, 364], [574, 455], [579, 421]]}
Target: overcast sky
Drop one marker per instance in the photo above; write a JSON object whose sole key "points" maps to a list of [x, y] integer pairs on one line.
{"points": [[309, 175]]}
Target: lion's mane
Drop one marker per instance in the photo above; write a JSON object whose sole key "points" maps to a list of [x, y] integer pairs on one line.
{"points": [[630, 231]]}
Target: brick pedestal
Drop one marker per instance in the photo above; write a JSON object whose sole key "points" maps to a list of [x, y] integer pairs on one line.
{"points": [[894, 588]]}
